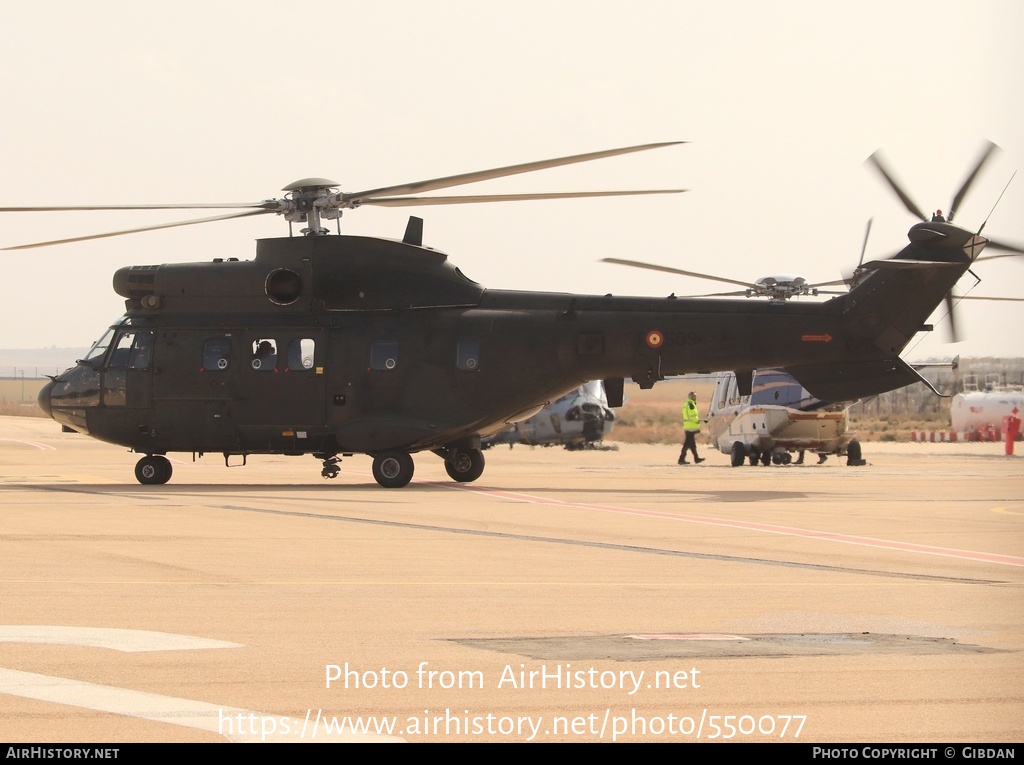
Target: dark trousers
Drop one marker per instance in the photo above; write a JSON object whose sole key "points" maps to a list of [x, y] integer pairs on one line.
{"points": [[690, 444]]}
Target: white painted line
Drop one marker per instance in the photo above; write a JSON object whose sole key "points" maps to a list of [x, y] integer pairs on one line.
{"points": [[128, 641], [235, 724]]}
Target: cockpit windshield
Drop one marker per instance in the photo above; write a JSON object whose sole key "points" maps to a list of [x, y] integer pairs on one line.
{"points": [[99, 348]]}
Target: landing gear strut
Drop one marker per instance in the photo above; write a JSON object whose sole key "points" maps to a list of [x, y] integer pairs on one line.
{"points": [[153, 469], [464, 465], [331, 468], [393, 470]]}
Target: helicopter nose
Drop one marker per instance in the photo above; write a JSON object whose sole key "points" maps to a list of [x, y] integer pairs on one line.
{"points": [[44, 398]]}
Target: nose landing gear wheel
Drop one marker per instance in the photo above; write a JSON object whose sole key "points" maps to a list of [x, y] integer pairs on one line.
{"points": [[465, 465], [154, 469], [393, 470]]}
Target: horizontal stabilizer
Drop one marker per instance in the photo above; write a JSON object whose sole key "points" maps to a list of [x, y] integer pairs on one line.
{"points": [[851, 381]]}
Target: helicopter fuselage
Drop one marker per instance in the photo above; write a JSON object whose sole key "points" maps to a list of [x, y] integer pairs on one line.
{"points": [[345, 344]]}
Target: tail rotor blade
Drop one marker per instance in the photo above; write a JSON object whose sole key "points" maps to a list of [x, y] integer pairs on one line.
{"points": [[876, 160], [953, 336], [1007, 250], [864, 247], [986, 152]]}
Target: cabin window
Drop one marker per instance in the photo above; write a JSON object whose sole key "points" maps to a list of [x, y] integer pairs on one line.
{"points": [[264, 355], [383, 356], [301, 354], [467, 354], [216, 354]]}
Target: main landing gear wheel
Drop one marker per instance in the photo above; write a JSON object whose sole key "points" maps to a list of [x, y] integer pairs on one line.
{"points": [[393, 470], [738, 454], [465, 465], [154, 469], [853, 454]]}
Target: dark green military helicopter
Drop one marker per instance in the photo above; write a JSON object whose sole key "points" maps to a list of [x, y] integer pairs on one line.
{"points": [[333, 345]]}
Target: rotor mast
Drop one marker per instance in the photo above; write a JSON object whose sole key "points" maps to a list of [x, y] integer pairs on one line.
{"points": [[309, 201]]}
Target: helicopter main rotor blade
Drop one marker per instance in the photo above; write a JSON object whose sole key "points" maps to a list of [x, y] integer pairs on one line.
{"points": [[833, 283], [347, 199], [738, 293], [198, 206], [986, 152], [670, 270], [876, 160], [192, 222], [416, 201], [985, 297]]}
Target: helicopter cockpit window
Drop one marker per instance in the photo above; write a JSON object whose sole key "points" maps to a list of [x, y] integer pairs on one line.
{"points": [[264, 355], [383, 356], [216, 353], [133, 349], [99, 348], [301, 354]]}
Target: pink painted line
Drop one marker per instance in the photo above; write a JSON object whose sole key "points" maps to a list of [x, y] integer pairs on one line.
{"points": [[36, 444], [691, 636], [1005, 560]]}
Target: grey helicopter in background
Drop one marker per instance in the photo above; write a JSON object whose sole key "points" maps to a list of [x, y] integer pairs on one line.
{"points": [[580, 419]]}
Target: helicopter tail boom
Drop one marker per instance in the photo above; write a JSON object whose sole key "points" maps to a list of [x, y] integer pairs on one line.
{"points": [[888, 305]]}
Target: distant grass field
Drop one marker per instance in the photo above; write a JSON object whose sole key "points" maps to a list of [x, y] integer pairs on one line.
{"points": [[655, 416]]}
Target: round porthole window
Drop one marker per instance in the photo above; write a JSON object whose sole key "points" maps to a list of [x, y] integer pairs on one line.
{"points": [[284, 286]]}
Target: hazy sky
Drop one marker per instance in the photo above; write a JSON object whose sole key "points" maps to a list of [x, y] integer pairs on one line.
{"points": [[135, 102]]}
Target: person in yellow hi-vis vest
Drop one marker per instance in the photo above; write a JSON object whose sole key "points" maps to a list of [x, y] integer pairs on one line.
{"points": [[691, 427]]}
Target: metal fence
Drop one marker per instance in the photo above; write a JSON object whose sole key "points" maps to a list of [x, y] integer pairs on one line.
{"points": [[22, 383], [29, 372]]}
